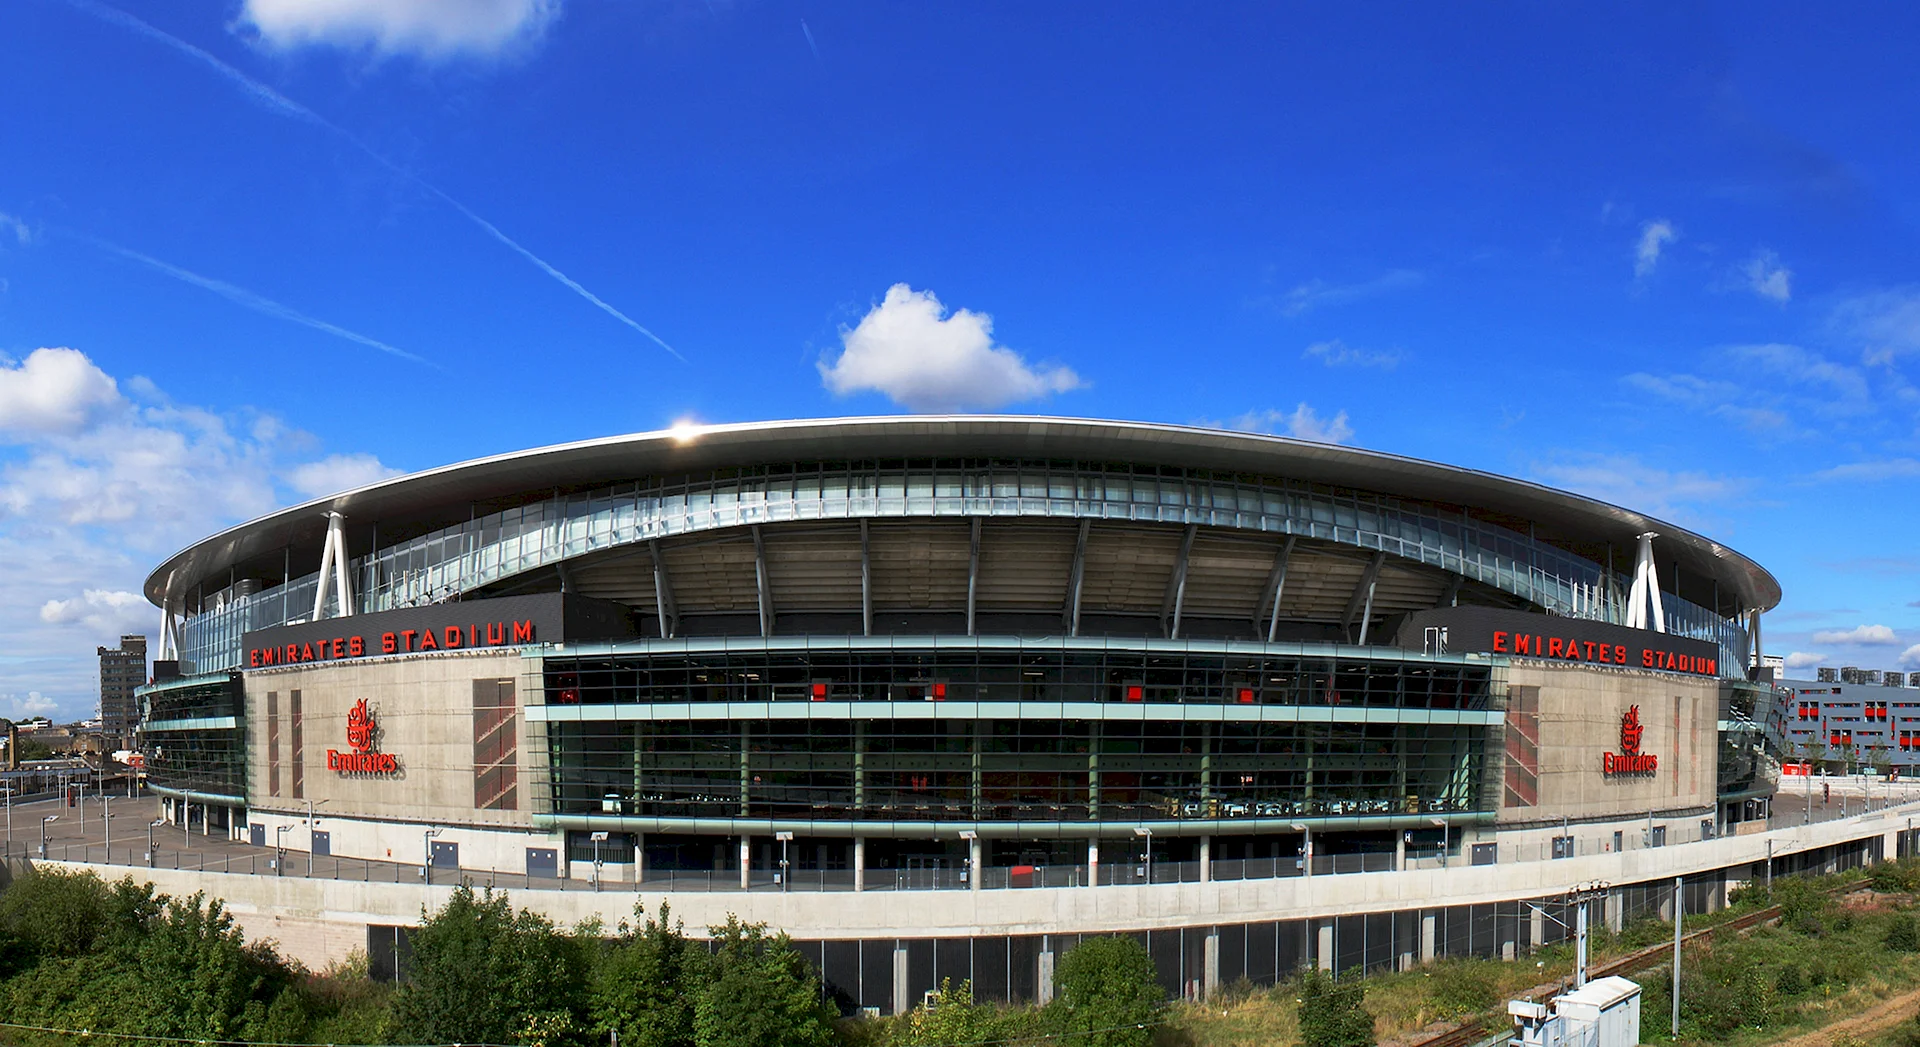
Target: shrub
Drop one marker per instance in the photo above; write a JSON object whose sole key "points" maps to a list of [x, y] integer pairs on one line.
{"points": [[1791, 981], [1108, 994], [1462, 989], [759, 993], [1331, 1011], [1903, 934]]}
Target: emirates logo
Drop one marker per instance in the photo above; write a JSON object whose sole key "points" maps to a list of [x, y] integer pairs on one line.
{"points": [[360, 726], [362, 759], [1630, 731], [1630, 761]]}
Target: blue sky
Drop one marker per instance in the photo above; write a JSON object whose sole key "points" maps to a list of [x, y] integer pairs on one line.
{"points": [[1664, 254]]}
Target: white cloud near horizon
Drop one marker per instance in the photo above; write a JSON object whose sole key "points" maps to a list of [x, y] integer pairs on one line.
{"points": [[1336, 353], [911, 350], [1683, 496], [1910, 658], [336, 473], [430, 28], [1861, 635], [1767, 278], [1802, 659], [1302, 423], [1654, 236], [99, 479]]}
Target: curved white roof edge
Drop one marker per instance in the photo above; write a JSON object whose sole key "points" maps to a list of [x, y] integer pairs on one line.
{"points": [[693, 447]]}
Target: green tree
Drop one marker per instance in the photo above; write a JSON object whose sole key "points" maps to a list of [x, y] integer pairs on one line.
{"points": [[1331, 1011], [483, 973], [759, 993], [48, 912], [1903, 934], [1107, 994], [645, 983]]}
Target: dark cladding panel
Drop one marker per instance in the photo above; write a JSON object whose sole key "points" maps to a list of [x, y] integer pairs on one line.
{"points": [[506, 622], [1579, 641]]}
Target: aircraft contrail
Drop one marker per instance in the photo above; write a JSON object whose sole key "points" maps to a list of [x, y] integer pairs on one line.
{"points": [[241, 296], [273, 100]]}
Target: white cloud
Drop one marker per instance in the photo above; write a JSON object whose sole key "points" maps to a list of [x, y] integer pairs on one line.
{"points": [[104, 611], [337, 472], [1910, 658], [1337, 353], [14, 707], [1653, 236], [10, 224], [95, 488], [1864, 635], [1677, 495], [910, 350], [1888, 321], [1317, 293], [1768, 278], [1302, 423], [1802, 660], [433, 28], [53, 391], [1891, 469]]}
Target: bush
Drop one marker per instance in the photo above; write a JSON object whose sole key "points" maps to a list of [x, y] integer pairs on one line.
{"points": [[1461, 989], [1790, 982], [483, 973], [759, 992], [1107, 993], [1903, 934], [1331, 1014], [645, 983]]}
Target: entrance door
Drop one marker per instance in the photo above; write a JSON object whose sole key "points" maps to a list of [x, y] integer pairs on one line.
{"points": [[446, 855], [257, 834], [322, 843], [543, 863]]}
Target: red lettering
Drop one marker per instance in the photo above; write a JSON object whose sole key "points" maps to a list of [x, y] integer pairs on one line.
{"points": [[357, 646], [1620, 654], [1589, 646], [306, 652], [1646, 658], [427, 642], [389, 643], [452, 636], [1499, 642], [523, 632], [1522, 644], [406, 639], [339, 647], [1713, 666], [1556, 649], [1573, 648], [293, 653], [496, 633], [253, 657]]}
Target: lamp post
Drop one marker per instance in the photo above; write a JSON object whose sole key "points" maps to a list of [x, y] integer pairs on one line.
{"points": [[151, 826], [43, 832], [1446, 839], [311, 823], [970, 838], [784, 839], [426, 854], [1306, 847], [106, 826], [598, 839], [280, 849], [1147, 832], [9, 788]]}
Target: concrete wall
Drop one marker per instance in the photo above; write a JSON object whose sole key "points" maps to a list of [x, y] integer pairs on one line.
{"points": [[424, 710], [1580, 714], [318, 921]]}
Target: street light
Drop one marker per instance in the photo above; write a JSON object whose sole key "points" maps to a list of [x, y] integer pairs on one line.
{"points": [[43, 832], [1446, 839], [106, 825], [311, 823], [785, 838], [151, 826], [1147, 831], [426, 854], [970, 836], [280, 849], [1306, 846], [598, 839]]}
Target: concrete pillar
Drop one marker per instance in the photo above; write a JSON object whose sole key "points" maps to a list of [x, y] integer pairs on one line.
{"points": [[1044, 983], [746, 862], [1400, 851], [900, 1001], [1537, 926], [975, 862], [1093, 862], [1210, 965], [1206, 863], [1429, 943], [859, 863], [1615, 912], [1323, 944], [639, 857]]}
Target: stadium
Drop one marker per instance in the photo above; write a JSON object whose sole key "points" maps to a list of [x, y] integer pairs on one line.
{"points": [[824, 664]]}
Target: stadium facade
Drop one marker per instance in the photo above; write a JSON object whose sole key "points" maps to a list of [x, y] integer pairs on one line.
{"points": [[946, 651]]}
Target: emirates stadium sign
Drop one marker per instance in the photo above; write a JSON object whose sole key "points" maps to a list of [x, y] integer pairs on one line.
{"points": [[361, 756]]}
